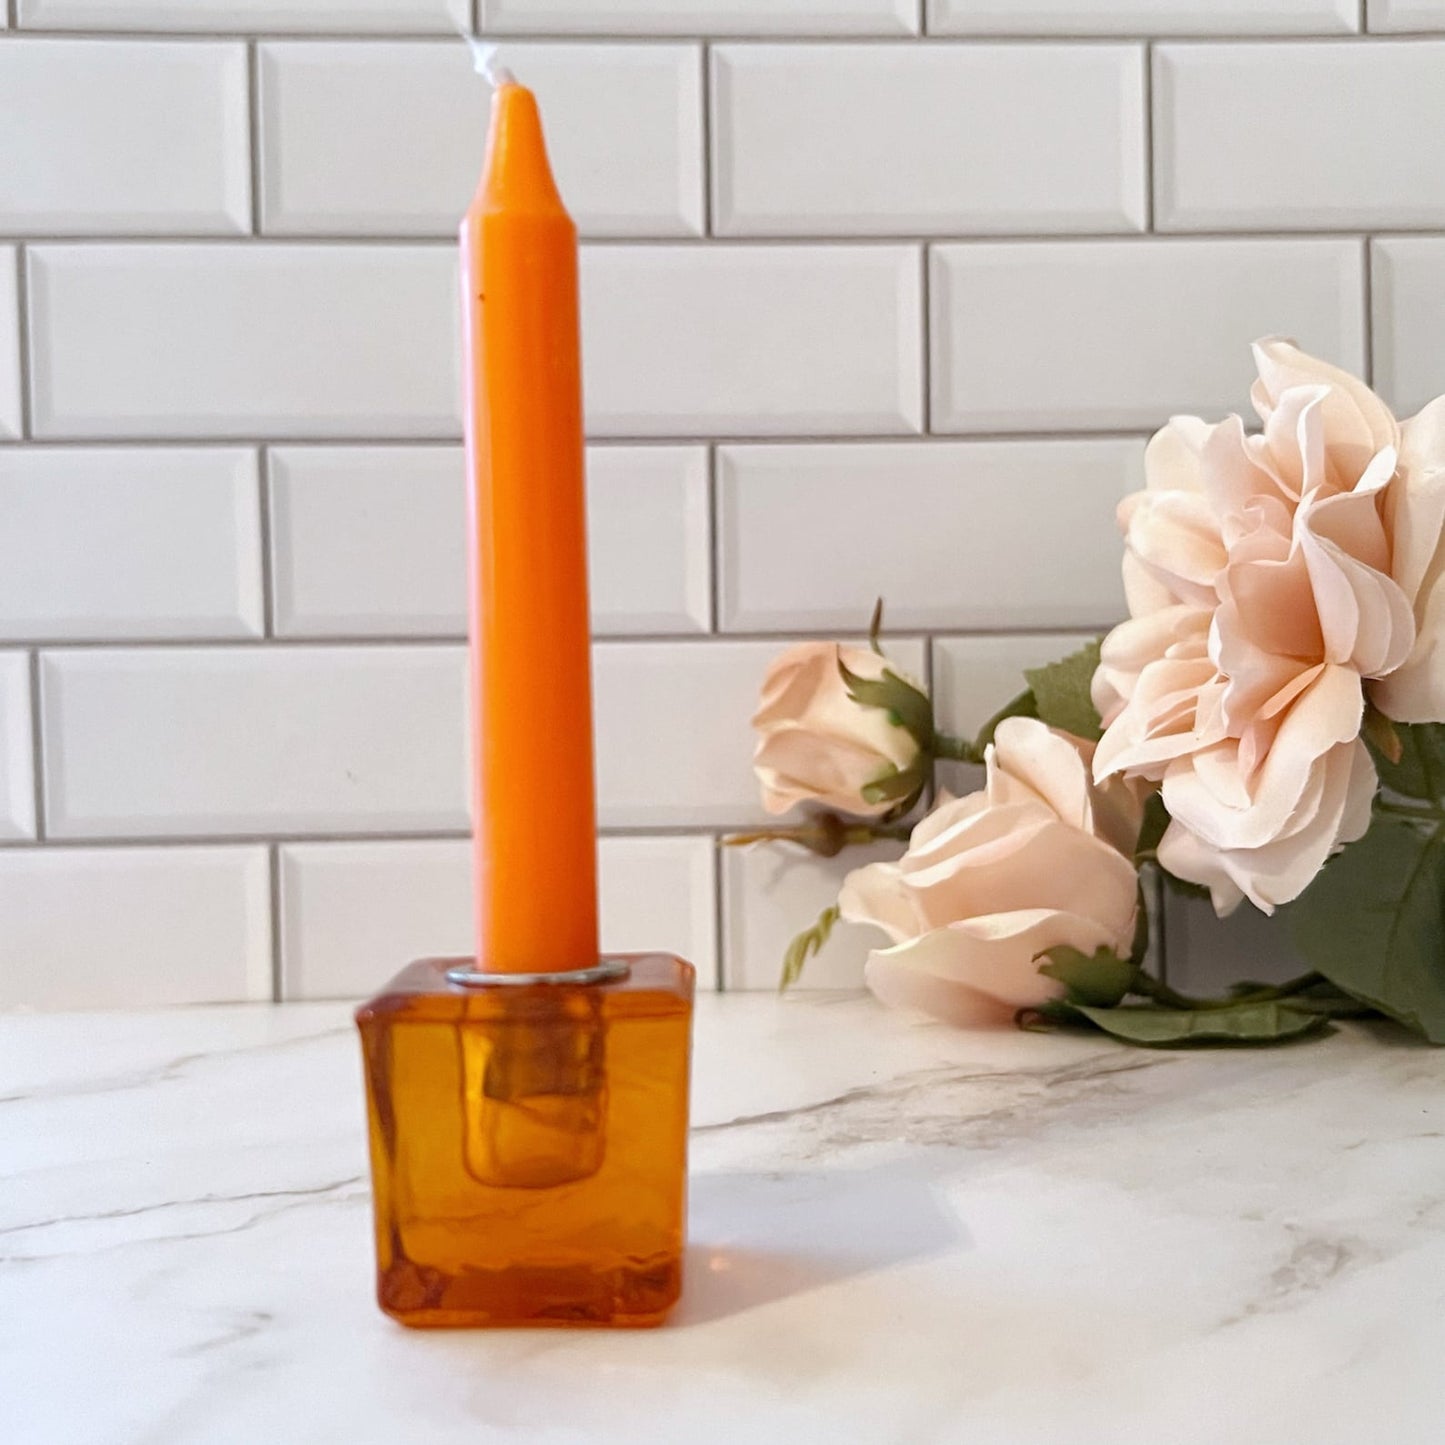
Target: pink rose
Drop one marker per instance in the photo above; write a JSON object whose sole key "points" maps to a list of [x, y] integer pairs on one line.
{"points": [[815, 743], [1273, 583], [1041, 857]]}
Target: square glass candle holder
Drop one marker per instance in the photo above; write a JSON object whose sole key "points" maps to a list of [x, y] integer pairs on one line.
{"points": [[529, 1143]]}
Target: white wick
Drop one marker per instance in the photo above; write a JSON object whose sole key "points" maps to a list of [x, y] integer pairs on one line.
{"points": [[484, 54]]}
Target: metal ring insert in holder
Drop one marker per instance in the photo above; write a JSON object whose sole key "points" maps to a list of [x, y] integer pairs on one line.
{"points": [[608, 971]]}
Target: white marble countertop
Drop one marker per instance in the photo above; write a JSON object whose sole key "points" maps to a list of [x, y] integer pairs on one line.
{"points": [[899, 1234]]}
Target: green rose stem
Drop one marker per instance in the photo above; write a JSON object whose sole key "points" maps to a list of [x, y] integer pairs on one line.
{"points": [[1152, 988], [959, 750], [826, 835]]}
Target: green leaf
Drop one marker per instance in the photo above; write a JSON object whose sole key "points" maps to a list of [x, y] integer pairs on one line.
{"points": [[1153, 1027], [905, 704], [1334, 1003], [895, 787], [804, 946], [1420, 772], [1155, 825], [1100, 979], [1024, 705], [1373, 922], [875, 626], [1062, 693]]}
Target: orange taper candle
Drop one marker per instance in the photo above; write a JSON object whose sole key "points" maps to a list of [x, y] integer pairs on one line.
{"points": [[534, 810]]}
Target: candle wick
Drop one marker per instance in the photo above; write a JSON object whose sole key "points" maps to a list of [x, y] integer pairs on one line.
{"points": [[484, 55]]}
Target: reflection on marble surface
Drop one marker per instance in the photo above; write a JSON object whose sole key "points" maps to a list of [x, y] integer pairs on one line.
{"points": [[899, 1234]]}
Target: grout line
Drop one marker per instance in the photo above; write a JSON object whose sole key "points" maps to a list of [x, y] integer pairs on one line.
{"points": [[962, 239], [719, 919], [37, 748], [23, 342], [273, 863], [715, 546], [1367, 292], [253, 131], [709, 170], [1161, 927], [923, 31], [281, 839], [268, 566], [856, 439], [925, 293], [931, 39], [1149, 139], [956, 631], [12, 13]]}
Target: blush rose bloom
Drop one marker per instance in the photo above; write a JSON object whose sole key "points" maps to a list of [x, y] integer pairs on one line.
{"points": [[815, 743], [1041, 857], [1276, 583]]}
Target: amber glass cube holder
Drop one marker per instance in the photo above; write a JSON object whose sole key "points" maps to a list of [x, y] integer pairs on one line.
{"points": [[529, 1142]]}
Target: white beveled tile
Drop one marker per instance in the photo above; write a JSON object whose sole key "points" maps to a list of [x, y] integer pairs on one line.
{"points": [[674, 748], [371, 541], [89, 928], [129, 542], [659, 895], [1207, 955], [112, 137], [352, 914], [17, 752], [1143, 17], [974, 677], [9, 345], [249, 16], [703, 17], [1408, 294], [649, 539], [1109, 335], [947, 533], [1375, 163], [227, 340], [372, 137], [752, 340], [771, 893], [1403, 16], [939, 139], [243, 741]]}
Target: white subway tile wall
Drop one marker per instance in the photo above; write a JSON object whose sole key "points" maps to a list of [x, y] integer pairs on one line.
{"points": [[1409, 306], [371, 541], [130, 542], [1320, 170], [369, 138], [11, 425], [17, 751], [881, 297], [999, 138], [1405, 16], [801, 542], [1144, 17], [352, 913], [114, 137]]}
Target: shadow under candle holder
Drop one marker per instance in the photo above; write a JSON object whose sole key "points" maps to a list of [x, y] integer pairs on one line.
{"points": [[762, 1237]]}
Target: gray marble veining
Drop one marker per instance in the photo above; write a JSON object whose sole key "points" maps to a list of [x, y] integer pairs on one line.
{"points": [[901, 1235]]}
